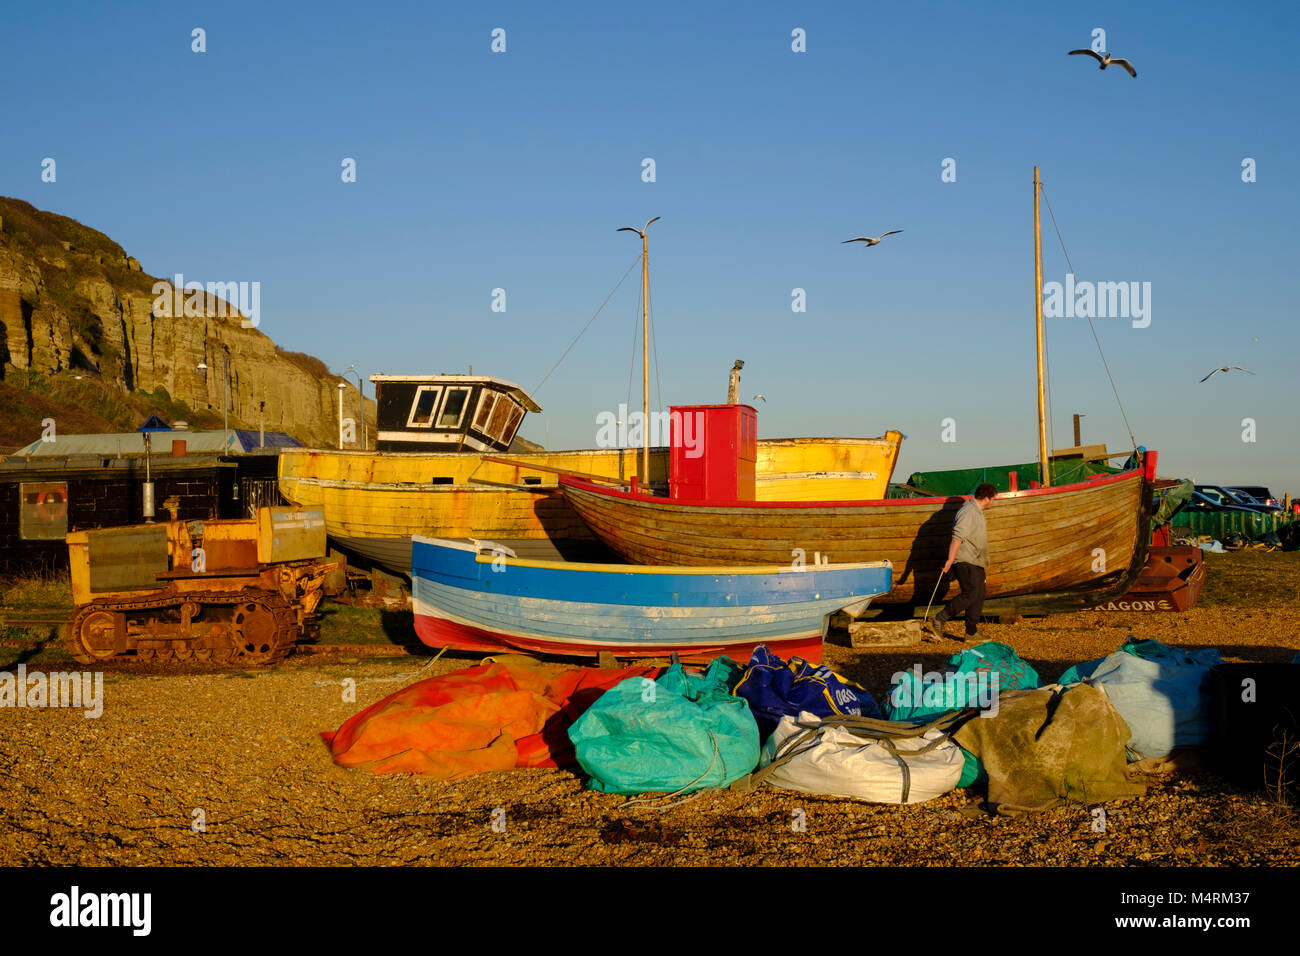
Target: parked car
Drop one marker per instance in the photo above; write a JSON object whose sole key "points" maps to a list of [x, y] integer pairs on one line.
{"points": [[1258, 492], [1203, 502], [1251, 501], [1229, 498]]}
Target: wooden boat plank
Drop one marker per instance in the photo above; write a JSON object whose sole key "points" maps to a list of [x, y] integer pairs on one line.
{"points": [[1040, 542]]}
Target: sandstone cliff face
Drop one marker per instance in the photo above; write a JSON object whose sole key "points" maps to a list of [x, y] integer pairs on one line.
{"points": [[71, 299]]}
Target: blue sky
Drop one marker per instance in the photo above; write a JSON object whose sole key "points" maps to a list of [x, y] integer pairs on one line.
{"points": [[479, 170]]}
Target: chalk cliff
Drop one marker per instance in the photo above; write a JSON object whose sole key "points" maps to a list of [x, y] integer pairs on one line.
{"points": [[72, 300]]}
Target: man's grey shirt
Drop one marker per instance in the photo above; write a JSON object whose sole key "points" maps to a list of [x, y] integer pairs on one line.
{"points": [[971, 530]]}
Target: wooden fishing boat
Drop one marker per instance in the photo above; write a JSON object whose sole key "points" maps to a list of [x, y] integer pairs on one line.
{"points": [[1055, 548], [1171, 581], [374, 501], [477, 597], [1070, 546], [1173, 576], [825, 469]]}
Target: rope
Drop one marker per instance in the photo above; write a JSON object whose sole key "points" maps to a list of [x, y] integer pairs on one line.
{"points": [[882, 732], [585, 327], [396, 678], [1051, 417], [669, 796], [631, 368], [1104, 363], [654, 348]]}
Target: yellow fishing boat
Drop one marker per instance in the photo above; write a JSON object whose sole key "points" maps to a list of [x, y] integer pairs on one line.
{"points": [[825, 469], [461, 487]]}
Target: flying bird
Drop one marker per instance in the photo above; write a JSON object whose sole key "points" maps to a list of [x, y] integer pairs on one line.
{"points": [[1226, 368], [1107, 60], [869, 241], [757, 397]]}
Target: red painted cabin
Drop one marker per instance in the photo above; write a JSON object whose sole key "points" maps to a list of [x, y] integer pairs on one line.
{"points": [[714, 449]]}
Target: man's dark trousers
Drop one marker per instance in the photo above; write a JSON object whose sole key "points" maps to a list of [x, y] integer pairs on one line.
{"points": [[971, 599]]}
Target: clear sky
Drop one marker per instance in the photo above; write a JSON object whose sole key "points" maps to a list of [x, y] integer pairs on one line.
{"points": [[478, 171]]}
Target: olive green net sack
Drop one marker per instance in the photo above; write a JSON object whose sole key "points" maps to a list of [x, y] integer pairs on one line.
{"points": [[1051, 746]]}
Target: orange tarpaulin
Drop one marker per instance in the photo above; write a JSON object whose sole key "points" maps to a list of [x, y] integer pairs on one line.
{"points": [[512, 712]]}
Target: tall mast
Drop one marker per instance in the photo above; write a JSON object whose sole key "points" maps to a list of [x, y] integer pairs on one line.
{"points": [[645, 358], [645, 347], [1045, 468]]}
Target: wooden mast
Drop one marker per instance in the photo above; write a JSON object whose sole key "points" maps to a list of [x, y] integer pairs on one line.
{"points": [[645, 359], [1045, 466], [645, 347]]}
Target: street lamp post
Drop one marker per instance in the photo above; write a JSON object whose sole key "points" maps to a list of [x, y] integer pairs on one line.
{"points": [[225, 402], [361, 403], [225, 405], [342, 387]]}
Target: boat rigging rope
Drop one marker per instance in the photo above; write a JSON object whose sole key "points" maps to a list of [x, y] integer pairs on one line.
{"points": [[654, 349], [631, 362], [1051, 418], [587, 326], [1104, 363]]}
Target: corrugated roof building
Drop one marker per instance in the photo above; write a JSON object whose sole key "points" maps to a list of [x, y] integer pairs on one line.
{"points": [[236, 441]]}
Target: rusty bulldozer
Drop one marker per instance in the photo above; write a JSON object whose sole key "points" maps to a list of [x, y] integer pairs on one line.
{"points": [[237, 591]]}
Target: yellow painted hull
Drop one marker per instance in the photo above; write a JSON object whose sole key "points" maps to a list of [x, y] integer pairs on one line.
{"points": [[392, 495], [825, 469]]}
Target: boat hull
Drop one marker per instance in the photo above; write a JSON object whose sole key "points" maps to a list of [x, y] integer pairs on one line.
{"points": [[1171, 581], [1051, 548], [374, 502], [490, 602]]}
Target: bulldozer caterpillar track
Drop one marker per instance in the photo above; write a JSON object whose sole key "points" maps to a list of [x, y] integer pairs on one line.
{"points": [[253, 626]]}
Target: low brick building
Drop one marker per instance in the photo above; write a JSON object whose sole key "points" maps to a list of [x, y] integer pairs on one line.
{"points": [[97, 481]]}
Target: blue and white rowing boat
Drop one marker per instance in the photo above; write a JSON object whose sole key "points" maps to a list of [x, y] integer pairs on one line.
{"points": [[480, 597]]}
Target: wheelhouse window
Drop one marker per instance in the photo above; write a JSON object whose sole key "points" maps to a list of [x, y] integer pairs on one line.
{"points": [[487, 401], [426, 401], [43, 510], [453, 408], [498, 416], [516, 416]]}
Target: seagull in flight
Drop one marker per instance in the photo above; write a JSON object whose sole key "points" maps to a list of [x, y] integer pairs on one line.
{"points": [[757, 397], [1107, 60], [869, 241], [1226, 368]]}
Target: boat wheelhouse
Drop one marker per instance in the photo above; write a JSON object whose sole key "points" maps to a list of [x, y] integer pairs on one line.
{"points": [[448, 413]]}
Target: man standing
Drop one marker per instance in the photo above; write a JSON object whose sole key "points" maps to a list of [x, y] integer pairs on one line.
{"points": [[968, 559]]}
